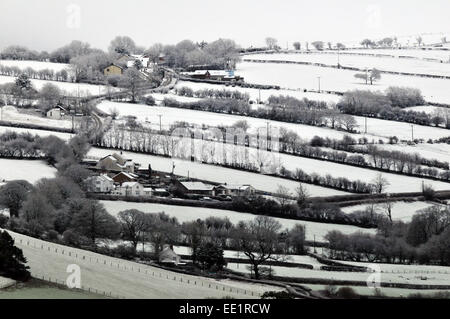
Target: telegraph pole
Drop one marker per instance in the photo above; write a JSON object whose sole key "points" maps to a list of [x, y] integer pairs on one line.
{"points": [[412, 132], [365, 124], [319, 82], [160, 126]]}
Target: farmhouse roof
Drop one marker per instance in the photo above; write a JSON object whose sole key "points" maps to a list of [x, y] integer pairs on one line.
{"points": [[197, 186]]}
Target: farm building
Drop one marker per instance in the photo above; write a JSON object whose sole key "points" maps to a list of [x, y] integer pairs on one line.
{"points": [[113, 69], [218, 75], [234, 190], [129, 189], [100, 184], [56, 113], [115, 162], [168, 256], [124, 177], [195, 188]]}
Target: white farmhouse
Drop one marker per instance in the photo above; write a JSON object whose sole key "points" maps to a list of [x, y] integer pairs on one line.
{"points": [[130, 189], [100, 184]]}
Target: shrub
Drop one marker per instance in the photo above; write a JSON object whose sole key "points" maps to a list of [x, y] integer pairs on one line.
{"points": [[347, 293]]}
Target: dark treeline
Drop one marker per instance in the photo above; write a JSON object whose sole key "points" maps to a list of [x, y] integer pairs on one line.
{"points": [[283, 109], [425, 239], [212, 93], [44, 74], [389, 161]]}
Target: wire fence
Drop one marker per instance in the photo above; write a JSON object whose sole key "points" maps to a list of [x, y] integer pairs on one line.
{"points": [[110, 262]]}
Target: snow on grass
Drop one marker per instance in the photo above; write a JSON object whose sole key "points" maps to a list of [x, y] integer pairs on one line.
{"points": [[29, 170], [385, 291], [36, 65], [363, 62], [41, 133], [6, 282], [306, 77], [172, 115], [404, 131], [400, 210], [272, 161], [443, 55], [438, 151], [265, 94], [125, 278], [216, 173], [186, 214], [429, 109], [70, 88], [11, 114], [411, 276]]}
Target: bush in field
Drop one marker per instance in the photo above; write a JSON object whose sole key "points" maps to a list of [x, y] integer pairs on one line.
{"points": [[404, 96], [149, 100]]}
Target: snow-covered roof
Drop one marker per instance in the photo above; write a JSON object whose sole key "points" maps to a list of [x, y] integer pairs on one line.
{"points": [[197, 186], [106, 177], [129, 175], [130, 184], [235, 186]]}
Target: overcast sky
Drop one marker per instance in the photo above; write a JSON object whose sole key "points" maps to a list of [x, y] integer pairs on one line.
{"points": [[48, 24]]}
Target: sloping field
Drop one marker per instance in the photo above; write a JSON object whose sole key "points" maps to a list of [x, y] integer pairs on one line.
{"points": [[150, 114], [186, 214], [363, 62], [125, 279], [41, 133], [443, 55], [36, 65], [402, 274], [404, 131], [438, 151], [11, 114], [29, 170], [306, 77], [73, 89], [216, 173], [265, 94], [403, 211]]}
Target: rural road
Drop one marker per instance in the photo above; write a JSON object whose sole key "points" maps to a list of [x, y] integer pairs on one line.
{"points": [[124, 279]]}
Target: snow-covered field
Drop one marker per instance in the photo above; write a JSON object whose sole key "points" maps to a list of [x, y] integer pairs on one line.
{"points": [[36, 65], [124, 278], [186, 214], [430, 54], [429, 109], [73, 89], [11, 114], [6, 282], [385, 291], [438, 151], [172, 115], [29, 170], [265, 94], [363, 62], [400, 210], [306, 77], [216, 173], [41, 133], [402, 274], [404, 131]]}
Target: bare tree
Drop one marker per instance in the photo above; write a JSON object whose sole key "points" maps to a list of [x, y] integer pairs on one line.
{"points": [[302, 194], [380, 183], [133, 224], [271, 43], [283, 195], [258, 239]]}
